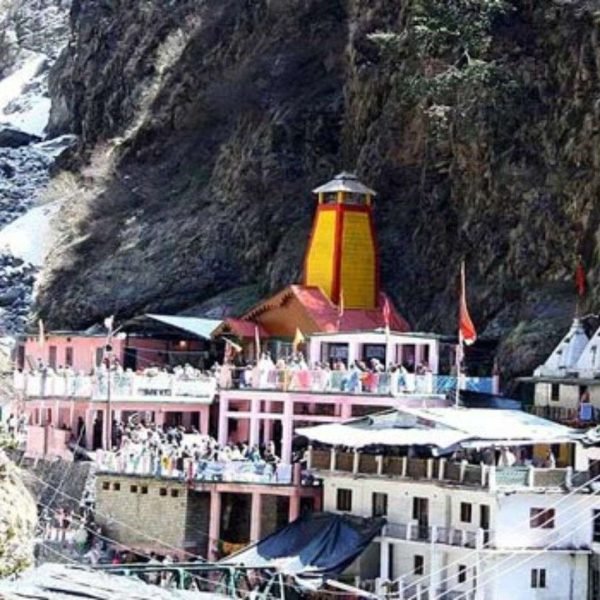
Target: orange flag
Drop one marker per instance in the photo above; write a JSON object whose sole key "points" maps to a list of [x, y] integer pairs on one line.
{"points": [[466, 329]]}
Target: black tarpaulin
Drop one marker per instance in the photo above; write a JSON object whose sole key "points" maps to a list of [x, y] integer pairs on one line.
{"points": [[315, 545]]}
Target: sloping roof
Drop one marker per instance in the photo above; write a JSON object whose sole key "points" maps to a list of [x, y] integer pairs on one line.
{"points": [[589, 361], [565, 356], [62, 582], [344, 182], [241, 328], [195, 325], [442, 427], [325, 314]]}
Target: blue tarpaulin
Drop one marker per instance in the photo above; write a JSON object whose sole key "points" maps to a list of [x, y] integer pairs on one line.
{"points": [[315, 545]]}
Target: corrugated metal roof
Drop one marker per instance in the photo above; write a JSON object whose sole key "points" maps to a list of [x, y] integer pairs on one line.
{"points": [[195, 325], [61, 582], [344, 182]]}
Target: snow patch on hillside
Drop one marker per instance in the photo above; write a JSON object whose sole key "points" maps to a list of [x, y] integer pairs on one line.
{"points": [[28, 238]]}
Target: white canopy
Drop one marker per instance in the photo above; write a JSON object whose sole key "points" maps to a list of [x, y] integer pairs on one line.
{"points": [[443, 428]]}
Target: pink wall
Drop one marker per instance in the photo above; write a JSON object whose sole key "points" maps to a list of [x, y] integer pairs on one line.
{"points": [[84, 350], [42, 441]]}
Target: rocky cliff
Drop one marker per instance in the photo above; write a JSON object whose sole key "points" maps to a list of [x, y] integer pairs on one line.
{"points": [[18, 518], [203, 126]]}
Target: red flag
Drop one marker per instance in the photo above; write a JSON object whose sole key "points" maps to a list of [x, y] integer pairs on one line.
{"points": [[580, 280], [387, 312], [466, 329]]}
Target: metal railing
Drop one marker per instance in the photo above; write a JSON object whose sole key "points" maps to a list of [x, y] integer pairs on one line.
{"points": [[123, 386], [443, 470], [353, 382], [451, 536]]}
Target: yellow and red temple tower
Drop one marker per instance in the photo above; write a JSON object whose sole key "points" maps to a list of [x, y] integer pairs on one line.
{"points": [[342, 252], [340, 289]]}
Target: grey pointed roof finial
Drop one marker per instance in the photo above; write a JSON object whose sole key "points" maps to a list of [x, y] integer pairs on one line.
{"points": [[344, 182]]}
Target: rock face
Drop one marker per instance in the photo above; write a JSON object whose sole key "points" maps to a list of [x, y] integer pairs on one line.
{"points": [[18, 518], [204, 125]]}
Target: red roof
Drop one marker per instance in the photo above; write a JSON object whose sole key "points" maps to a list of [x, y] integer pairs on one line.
{"points": [[241, 328], [326, 314]]}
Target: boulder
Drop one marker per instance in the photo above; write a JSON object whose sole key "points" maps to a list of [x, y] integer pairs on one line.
{"points": [[14, 138]]}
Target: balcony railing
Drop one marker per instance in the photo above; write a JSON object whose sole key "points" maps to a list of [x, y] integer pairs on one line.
{"points": [[440, 469], [415, 532], [585, 415], [120, 386], [354, 382], [201, 471]]}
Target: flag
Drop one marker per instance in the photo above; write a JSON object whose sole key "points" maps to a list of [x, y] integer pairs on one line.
{"points": [[231, 349], [387, 312], [256, 342], [580, 279], [340, 309], [341, 305], [298, 339], [41, 334], [466, 329], [109, 323]]}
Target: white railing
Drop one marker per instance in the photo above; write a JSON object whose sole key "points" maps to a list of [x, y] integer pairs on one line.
{"points": [[452, 536], [147, 464], [354, 381], [120, 386]]}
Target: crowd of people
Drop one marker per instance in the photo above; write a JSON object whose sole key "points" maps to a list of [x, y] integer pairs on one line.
{"points": [[294, 373], [174, 451]]}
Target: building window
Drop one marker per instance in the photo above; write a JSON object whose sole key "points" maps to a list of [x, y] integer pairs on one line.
{"points": [[344, 499], [174, 493], [133, 489], [68, 356], [419, 565], [466, 512], [162, 491], [554, 392], [52, 357], [538, 578], [106, 485], [462, 573], [596, 514], [144, 489], [541, 518], [116, 487], [379, 504]]}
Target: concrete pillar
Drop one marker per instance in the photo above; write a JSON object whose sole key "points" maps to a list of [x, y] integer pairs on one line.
{"points": [[214, 529], [294, 511], [255, 521], [159, 417], [346, 409], [384, 561], [223, 421], [89, 428], [254, 432], [204, 418], [434, 357], [353, 352], [287, 431]]}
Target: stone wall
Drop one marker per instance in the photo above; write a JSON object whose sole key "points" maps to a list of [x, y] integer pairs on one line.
{"points": [[142, 512]]}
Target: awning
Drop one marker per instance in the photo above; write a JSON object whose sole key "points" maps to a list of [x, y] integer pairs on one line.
{"points": [[354, 437], [315, 546], [443, 428], [197, 326]]}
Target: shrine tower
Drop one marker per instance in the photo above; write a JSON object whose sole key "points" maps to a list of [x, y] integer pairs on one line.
{"points": [[342, 252]]}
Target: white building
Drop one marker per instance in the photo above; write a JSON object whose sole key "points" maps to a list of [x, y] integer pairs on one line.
{"points": [[458, 529], [567, 384]]}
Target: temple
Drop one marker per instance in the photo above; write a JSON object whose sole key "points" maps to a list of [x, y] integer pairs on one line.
{"points": [[318, 397]]}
